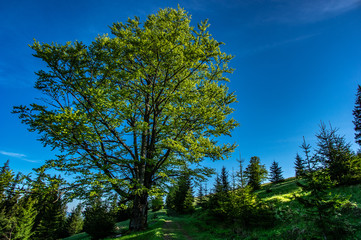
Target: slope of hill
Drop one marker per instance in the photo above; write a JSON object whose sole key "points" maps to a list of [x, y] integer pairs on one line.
{"points": [[200, 226]]}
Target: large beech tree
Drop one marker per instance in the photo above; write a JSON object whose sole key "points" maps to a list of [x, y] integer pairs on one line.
{"points": [[128, 112]]}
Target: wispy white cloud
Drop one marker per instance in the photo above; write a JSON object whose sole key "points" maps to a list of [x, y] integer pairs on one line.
{"points": [[17, 155], [11, 154]]}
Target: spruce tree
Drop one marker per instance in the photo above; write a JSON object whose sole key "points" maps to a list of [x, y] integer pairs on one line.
{"points": [[224, 180], [99, 222], [322, 208], [183, 190], [50, 205], [17, 210], [25, 217], [75, 222], [357, 116], [188, 206], [240, 174], [200, 194], [335, 155], [299, 166], [255, 173], [53, 218], [275, 173]]}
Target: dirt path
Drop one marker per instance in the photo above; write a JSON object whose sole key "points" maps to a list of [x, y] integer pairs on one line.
{"points": [[171, 227]]}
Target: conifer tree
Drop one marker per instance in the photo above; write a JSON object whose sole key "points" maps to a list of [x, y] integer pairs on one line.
{"points": [[25, 217], [224, 180], [183, 191], [99, 222], [75, 222], [241, 176], [50, 205], [200, 194], [276, 173], [188, 206], [335, 155], [17, 210], [322, 208], [53, 218], [255, 173], [357, 116], [299, 166]]}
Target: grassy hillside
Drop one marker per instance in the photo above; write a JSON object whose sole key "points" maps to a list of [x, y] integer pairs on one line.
{"points": [[201, 226]]}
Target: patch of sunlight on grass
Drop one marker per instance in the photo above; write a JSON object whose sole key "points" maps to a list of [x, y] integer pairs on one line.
{"points": [[79, 236], [281, 198]]}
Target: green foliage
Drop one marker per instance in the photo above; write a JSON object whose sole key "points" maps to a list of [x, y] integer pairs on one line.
{"points": [[51, 207], [180, 197], [299, 166], [357, 116], [336, 156], [224, 180], [240, 174], [322, 208], [255, 173], [17, 211], [75, 222], [275, 173], [99, 221], [157, 203], [160, 81]]}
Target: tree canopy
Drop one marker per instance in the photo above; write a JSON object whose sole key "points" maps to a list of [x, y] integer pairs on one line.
{"points": [[130, 111]]}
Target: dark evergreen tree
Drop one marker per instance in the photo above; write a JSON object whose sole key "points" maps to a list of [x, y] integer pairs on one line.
{"points": [[17, 210], [275, 173], [25, 217], [224, 180], [75, 222], [217, 187], [169, 200], [299, 166], [255, 173], [335, 155], [183, 191], [240, 174], [357, 116], [50, 205], [99, 222], [188, 206], [53, 218], [200, 194], [180, 196], [322, 208], [216, 197]]}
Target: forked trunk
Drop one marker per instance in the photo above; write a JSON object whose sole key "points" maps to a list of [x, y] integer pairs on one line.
{"points": [[138, 219]]}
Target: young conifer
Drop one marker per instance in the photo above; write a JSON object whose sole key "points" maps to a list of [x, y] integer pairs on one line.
{"points": [[276, 173], [299, 166], [255, 173], [357, 116]]}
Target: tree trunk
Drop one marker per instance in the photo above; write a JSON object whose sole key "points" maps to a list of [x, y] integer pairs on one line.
{"points": [[139, 215]]}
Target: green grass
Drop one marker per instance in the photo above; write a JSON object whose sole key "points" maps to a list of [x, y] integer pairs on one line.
{"points": [[200, 226]]}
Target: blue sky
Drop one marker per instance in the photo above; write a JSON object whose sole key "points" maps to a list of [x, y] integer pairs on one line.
{"points": [[298, 62]]}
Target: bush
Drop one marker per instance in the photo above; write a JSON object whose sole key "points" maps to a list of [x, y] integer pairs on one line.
{"points": [[99, 222]]}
